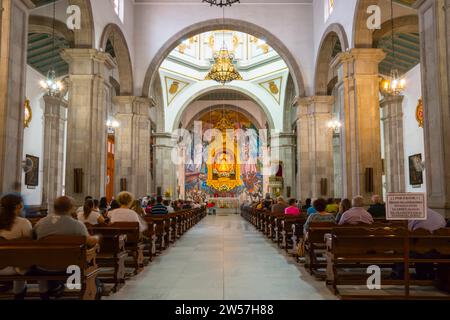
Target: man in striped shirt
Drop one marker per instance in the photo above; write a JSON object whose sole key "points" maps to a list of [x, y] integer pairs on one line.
{"points": [[159, 207]]}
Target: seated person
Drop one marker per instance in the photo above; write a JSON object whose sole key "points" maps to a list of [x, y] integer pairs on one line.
{"points": [[320, 216], [377, 209], [167, 204], [61, 223], [307, 204], [424, 271], [332, 206], [89, 215], [357, 214], [311, 210], [344, 206], [12, 227], [137, 207], [159, 207], [293, 209], [150, 204], [279, 206], [124, 213]]}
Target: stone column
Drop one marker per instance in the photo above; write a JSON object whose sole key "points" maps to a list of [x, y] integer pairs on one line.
{"points": [[316, 153], [54, 125], [392, 118], [13, 65], [86, 130], [165, 171], [434, 24], [132, 158], [283, 146], [357, 69]]}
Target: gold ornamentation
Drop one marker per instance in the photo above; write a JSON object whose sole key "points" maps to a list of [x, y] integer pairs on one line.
{"points": [[28, 114], [273, 88], [174, 87], [419, 113], [223, 69]]}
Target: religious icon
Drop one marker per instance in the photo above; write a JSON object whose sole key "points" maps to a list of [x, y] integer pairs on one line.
{"points": [[419, 113], [28, 114]]}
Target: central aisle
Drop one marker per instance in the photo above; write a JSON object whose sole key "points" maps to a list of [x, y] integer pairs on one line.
{"points": [[223, 258]]}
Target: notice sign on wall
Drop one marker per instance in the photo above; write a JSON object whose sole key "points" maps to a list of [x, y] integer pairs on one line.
{"points": [[406, 206]]}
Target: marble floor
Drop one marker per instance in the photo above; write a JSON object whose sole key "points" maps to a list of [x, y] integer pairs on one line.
{"points": [[223, 258]]}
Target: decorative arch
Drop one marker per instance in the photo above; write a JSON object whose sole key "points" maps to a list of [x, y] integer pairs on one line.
{"points": [[334, 33], [84, 38], [362, 36], [219, 107], [403, 24], [255, 99], [114, 34], [230, 24], [41, 24]]}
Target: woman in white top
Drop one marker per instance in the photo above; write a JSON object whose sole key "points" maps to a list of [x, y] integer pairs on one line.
{"points": [[124, 213], [12, 227], [89, 215]]}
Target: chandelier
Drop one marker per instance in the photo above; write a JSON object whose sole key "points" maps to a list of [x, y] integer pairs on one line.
{"points": [[394, 85], [223, 69], [51, 84], [221, 3]]}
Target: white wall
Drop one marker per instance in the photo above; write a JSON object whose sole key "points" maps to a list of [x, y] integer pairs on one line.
{"points": [[34, 134], [155, 23], [412, 133], [343, 14]]}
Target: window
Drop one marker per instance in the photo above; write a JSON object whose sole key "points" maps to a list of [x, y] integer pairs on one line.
{"points": [[329, 7], [118, 8]]}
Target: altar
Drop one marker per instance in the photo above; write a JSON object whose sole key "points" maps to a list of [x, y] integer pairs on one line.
{"points": [[226, 205]]}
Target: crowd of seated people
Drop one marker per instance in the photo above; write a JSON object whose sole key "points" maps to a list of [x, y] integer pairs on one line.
{"points": [[66, 219]]}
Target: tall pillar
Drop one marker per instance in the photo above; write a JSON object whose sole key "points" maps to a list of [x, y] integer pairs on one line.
{"points": [[315, 151], [54, 125], [132, 157], [434, 24], [284, 147], [13, 64], [357, 69], [165, 172], [86, 129], [392, 118]]}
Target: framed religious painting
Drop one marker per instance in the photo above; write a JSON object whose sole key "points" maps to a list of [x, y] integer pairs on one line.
{"points": [[419, 113], [416, 170], [32, 172]]}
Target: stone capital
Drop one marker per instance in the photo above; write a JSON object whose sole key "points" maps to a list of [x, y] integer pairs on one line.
{"points": [[87, 61], [370, 56], [314, 105], [133, 105], [391, 99]]}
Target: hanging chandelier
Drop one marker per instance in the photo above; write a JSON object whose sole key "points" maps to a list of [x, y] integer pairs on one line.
{"points": [[221, 3], [223, 69], [51, 84], [395, 84]]}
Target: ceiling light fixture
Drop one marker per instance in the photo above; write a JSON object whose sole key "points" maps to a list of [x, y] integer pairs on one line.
{"points": [[221, 3]]}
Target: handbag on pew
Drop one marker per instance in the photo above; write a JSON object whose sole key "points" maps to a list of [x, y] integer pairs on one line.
{"points": [[301, 248]]}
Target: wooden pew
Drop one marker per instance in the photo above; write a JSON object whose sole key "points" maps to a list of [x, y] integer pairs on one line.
{"points": [[315, 244], [359, 247], [52, 253], [134, 243], [292, 231], [112, 254]]}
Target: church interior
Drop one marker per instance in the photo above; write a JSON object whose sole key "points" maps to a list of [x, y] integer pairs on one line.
{"points": [[224, 149]]}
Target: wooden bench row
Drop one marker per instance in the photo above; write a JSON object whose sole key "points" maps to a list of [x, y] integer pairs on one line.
{"points": [[345, 252], [120, 246]]}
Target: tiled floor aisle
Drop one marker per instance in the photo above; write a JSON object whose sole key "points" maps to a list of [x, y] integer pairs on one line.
{"points": [[223, 258]]}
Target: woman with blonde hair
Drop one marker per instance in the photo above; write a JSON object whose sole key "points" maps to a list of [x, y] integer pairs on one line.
{"points": [[124, 213], [136, 207]]}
